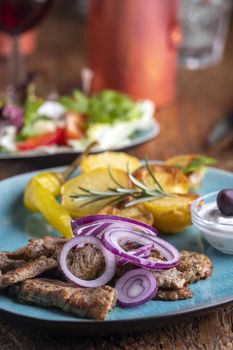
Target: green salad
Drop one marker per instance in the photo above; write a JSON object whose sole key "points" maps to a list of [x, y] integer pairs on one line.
{"points": [[110, 117]]}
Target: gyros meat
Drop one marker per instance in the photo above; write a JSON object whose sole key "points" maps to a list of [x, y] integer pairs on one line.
{"points": [[7, 264], [194, 266], [47, 246], [84, 302], [169, 279], [29, 270], [18, 271], [175, 294], [86, 263]]}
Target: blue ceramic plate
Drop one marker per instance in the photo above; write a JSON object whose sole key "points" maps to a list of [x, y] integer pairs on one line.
{"points": [[18, 225]]}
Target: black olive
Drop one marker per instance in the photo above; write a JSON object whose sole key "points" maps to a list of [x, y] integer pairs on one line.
{"points": [[225, 201]]}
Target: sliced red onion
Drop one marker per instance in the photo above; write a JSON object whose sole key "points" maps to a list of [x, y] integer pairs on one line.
{"points": [[91, 229], [110, 262], [111, 238], [112, 218], [84, 229], [143, 252], [136, 287], [14, 114]]}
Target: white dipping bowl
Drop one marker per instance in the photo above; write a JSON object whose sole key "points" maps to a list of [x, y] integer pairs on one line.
{"points": [[218, 235]]}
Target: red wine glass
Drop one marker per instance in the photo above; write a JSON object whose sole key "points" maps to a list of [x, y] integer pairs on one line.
{"points": [[17, 17]]}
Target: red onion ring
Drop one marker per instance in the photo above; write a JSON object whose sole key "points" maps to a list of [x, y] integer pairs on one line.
{"points": [[85, 220], [136, 287], [143, 252], [111, 238], [93, 229], [110, 262]]}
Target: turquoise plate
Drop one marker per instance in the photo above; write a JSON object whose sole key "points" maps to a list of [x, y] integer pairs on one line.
{"points": [[18, 225]]}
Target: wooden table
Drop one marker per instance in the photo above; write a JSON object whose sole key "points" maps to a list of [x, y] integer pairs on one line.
{"points": [[203, 97]]}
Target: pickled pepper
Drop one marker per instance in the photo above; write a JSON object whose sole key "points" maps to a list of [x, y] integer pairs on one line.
{"points": [[50, 208], [41, 192]]}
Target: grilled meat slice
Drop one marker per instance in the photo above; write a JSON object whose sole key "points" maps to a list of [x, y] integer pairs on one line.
{"points": [[46, 246], [174, 294], [122, 269], [29, 270], [194, 266], [84, 302], [7, 264], [169, 279], [155, 255], [86, 263]]}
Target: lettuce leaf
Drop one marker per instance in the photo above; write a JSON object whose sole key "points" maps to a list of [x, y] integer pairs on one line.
{"points": [[110, 106], [197, 164], [78, 102], [106, 107], [32, 104]]}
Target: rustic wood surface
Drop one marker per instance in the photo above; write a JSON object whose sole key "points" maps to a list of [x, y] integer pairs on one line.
{"points": [[203, 97]]}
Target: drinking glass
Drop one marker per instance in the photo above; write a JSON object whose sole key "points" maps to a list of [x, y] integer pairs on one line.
{"points": [[205, 26], [17, 17]]}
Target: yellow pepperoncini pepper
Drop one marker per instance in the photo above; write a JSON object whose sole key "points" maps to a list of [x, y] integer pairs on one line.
{"points": [[50, 181], [40, 193], [50, 208]]}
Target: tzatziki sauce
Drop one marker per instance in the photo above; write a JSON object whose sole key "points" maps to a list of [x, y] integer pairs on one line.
{"points": [[210, 212]]}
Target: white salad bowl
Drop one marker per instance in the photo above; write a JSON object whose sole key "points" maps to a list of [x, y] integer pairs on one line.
{"points": [[217, 231]]}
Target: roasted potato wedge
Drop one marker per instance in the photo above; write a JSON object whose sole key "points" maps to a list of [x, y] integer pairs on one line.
{"points": [[182, 161], [117, 160], [135, 212], [171, 213], [170, 178], [193, 166], [98, 180]]}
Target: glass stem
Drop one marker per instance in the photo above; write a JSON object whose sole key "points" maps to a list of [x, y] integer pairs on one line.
{"points": [[17, 72]]}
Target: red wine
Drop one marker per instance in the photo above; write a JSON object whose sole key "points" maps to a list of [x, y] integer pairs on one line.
{"points": [[17, 16]]}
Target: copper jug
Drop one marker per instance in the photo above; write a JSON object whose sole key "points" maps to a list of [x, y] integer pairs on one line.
{"points": [[132, 47]]}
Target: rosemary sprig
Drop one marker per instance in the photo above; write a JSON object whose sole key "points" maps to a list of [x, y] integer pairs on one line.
{"points": [[140, 193], [152, 175]]}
